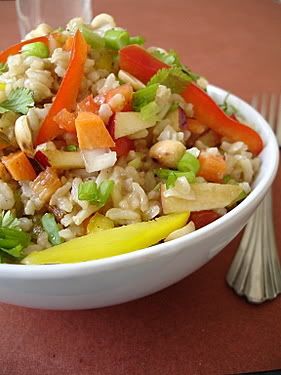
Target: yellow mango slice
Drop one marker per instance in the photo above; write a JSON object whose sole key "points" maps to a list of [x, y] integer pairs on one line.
{"points": [[110, 242], [98, 223], [207, 196]]}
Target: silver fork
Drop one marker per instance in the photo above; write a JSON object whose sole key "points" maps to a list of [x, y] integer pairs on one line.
{"points": [[255, 271]]}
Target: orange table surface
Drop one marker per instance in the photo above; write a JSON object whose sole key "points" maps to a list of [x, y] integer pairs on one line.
{"points": [[198, 326]]}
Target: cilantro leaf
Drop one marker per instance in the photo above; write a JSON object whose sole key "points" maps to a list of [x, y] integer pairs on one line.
{"points": [[19, 100], [13, 241], [172, 58], [173, 78], [15, 252], [3, 68]]}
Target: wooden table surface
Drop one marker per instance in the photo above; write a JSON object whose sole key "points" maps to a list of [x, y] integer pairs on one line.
{"points": [[198, 326]]}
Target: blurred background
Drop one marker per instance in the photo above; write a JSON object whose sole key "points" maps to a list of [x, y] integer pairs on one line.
{"points": [[235, 44]]}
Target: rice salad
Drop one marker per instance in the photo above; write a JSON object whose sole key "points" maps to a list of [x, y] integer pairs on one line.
{"points": [[99, 133]]}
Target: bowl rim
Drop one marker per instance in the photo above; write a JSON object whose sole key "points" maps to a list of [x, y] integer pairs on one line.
{"points": [[66, 269]]}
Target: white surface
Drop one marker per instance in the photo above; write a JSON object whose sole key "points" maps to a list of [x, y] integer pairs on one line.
{"points": [[126, 277]]}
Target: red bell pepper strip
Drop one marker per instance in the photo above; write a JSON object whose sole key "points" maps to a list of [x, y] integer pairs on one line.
{"points": [[202, 218], [68, 91], [138, 62], [16, 48], [208, 112]]}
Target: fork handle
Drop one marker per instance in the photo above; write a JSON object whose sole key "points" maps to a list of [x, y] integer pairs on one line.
{"points": [[255, 271]]}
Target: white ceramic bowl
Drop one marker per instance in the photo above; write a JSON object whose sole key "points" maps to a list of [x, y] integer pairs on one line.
{"points": [[126, 277]]}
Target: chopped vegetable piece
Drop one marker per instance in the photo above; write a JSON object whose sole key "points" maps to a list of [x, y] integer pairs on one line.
{"points": [[8, 220], [92, 132], [212, 167], [228, 109], [64, 159], [13, 241], [169, 58], [46, 184], [89, 191], [174, 78], [171, 180], [126, 91], [19, 166], [90, 104], [202, 218], [68, 90], [144, 96], [207, 196], [151, 112], [188, 162], [171, 176], [71, 148], [98, 159], [98, 223], [42, 159], [172, 58], [38, 49], [210, 114], [127, 123], [123, 145], [16, 48], [66, 120], [136, 40], [51, 227], [105, 190], [116, 38], [93, 39], [138, 62], [110, 242], [19, 100]]}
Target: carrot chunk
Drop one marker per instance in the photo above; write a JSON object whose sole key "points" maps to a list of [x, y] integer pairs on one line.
{"points": [[212, 167], [19, 166], [91, 132]]}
